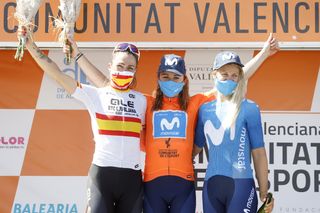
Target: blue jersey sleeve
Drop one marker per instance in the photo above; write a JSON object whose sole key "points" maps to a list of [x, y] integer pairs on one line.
{"points": [[254, 125], [200, 138]]}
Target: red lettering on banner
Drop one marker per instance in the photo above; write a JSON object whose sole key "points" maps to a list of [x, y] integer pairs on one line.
{"points": [[12, 140]]}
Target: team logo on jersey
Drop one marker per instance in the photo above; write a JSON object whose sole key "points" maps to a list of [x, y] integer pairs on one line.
{"points": [[169, 124], [215, 135]]}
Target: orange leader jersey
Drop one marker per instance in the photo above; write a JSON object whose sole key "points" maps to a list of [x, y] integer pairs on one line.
{"points": [[169, 138]]}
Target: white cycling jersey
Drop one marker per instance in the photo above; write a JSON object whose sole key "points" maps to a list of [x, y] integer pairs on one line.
{"points": [[116, 119]]}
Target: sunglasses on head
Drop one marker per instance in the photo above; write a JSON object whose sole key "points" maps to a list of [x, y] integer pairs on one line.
{"points": [[122, 47]]}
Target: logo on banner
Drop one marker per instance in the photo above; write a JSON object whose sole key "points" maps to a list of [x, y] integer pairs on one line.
{"points": [[75, 72], [171, 124], [45, 207], [12, 142], [78, 74]]}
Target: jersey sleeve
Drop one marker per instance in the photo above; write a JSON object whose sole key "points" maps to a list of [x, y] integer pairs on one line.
{"points": [[254, 125], [143, 110], [199, 138], [85, 94]]}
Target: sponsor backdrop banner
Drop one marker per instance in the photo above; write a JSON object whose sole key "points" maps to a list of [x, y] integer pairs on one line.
{"points": [[177, 21], [46, 143]]}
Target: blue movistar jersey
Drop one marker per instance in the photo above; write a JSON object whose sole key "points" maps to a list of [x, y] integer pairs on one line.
{"points": [[229, 148]]}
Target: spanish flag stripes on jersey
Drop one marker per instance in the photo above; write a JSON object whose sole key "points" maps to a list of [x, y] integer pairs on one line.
{"points": [[118, 125]]}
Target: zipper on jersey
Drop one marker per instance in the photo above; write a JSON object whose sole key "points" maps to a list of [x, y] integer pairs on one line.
{"points": [[168, 147]]}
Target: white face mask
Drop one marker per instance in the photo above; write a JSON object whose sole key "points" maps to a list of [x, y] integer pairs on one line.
{"points": [[121, 79]]}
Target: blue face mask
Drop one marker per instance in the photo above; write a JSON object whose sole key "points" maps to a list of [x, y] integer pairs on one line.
{"points": [[170, 88], [226, 87]]}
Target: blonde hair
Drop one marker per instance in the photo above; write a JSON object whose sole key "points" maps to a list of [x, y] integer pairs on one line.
{"points": [[235, 99]]}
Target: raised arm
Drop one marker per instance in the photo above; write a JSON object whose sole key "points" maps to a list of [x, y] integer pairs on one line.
{"points": [[91, 71], [48, 66], [270, 47]]}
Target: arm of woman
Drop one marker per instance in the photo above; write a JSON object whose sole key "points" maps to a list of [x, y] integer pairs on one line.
{"points": [[48, 66], [261, 168], [270, 47], [92, 72], [258, 151], [196, 150]]}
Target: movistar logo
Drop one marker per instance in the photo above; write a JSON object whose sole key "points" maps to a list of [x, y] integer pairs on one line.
{"points": [[246, 210], [228, 56], [169, 125], [171, 61], [216, 135]]}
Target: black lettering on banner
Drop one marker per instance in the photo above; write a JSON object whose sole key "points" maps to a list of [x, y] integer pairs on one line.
{"points": [[118, 30], [152, 13], [297, 17], [284, 151], [257, 17], [222, 10], [317, 17], [97, 13], [317, 145], [108, 17], [277, 182], [200, 76], [316, 180], [277, 13], [36, 22], [271, 153], [305, 157], [48, 14], [171, 5], [133, 15], [295, 180], [6, 14], [201, 23], [84, 8], [295, 129], [238, 29]]}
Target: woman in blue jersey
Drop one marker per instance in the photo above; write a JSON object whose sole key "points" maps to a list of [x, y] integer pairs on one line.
{"points": [[231, 128], [117, 115]]}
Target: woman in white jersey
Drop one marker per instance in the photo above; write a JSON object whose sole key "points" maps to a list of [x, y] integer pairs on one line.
{"points": [[117, 115]]}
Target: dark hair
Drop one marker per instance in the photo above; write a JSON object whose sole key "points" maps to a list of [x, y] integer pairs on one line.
{"points": [[183, 97]]}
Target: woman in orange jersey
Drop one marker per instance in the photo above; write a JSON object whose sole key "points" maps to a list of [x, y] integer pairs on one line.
{"points": [[170, 123]]}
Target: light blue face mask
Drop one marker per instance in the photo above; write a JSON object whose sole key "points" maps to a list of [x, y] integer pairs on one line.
{"points": [[226, 87], [170, 88]]}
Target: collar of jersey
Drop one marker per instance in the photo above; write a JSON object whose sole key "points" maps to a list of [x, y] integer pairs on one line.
{"points": [[120, 90], [170, 100]]}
